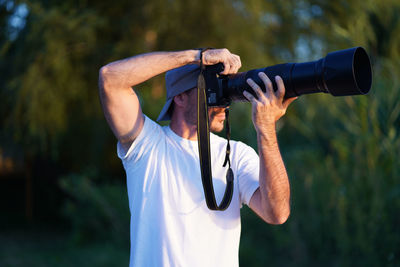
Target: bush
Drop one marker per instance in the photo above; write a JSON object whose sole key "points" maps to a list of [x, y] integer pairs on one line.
{"points": [[97, 210]]}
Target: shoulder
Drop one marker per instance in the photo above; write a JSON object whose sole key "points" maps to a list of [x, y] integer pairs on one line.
{"points": [[149, 135], [243, 148]]}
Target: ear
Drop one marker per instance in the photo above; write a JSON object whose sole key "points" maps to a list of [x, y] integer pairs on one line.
{"points": [[180, 100]]}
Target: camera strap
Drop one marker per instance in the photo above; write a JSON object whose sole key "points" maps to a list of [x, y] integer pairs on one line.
{"points": [[203, 137]]}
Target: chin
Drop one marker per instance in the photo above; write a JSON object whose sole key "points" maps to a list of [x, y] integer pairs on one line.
{"points": [[217, 127]]}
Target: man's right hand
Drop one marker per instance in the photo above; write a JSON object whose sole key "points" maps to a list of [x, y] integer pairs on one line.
{"points": [[231, 61]]}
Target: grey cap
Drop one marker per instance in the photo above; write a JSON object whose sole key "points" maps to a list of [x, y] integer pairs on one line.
{"points": [[178, 81]]}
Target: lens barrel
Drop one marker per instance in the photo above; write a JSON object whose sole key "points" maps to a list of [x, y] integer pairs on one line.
{"points": [[340, 73]]}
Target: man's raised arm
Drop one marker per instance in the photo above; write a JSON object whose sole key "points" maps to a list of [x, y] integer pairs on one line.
{"points": [[120, 103]]}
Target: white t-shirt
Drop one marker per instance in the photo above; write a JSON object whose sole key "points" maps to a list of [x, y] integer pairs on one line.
{"points": [[170, 222]]}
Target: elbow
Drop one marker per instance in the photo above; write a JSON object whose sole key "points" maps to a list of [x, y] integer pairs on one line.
{"points": [[103, 72], [103, 77], [105, 69], [279, 218]]}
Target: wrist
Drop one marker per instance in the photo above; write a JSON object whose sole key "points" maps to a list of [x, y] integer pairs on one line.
{"points": [[185, 57], [264, 127], [267, 134], [194, 55], [199, 54]]}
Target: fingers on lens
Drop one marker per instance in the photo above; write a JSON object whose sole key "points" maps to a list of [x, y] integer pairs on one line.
{"points": [[281, 87], [249, 96], [256, 88], [267, 82]]}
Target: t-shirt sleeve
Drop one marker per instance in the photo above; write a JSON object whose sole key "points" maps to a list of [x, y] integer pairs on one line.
{"points": [[247, 172], [143, 143]]}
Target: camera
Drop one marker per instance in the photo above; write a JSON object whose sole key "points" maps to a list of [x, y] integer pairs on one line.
{"points": [[340, 73]]}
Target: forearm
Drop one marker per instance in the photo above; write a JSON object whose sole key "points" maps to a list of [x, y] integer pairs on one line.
{"points": [[272, 200], [129, 72], [273, 179]]}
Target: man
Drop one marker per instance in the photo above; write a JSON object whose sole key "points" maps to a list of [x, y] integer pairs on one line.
{"points": [[170, 222]]}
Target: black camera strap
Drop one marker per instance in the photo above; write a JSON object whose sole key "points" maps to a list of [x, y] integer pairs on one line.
{"points": [[203, 137]]}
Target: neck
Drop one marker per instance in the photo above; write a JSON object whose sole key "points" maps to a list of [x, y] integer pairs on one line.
{"points": [[183, 128]]}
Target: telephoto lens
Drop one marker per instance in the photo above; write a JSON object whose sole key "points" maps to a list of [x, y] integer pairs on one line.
{"points": [[340, 73]]}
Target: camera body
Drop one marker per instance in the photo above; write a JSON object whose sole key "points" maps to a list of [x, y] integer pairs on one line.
{"points": [[215, 85]]}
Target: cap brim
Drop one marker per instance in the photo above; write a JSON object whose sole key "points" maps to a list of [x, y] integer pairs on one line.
{"points": [[164, 115]]}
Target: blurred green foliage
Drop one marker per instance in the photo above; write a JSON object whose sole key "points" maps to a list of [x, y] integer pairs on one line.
{"points": [[341, 153], [97, 210], [43, 247]]}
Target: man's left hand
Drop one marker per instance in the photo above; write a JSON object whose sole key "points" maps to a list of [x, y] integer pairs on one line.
{"points": [[269, 106]]}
